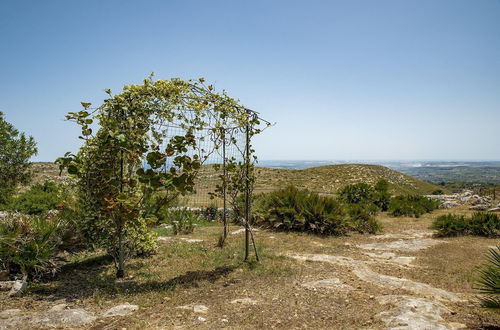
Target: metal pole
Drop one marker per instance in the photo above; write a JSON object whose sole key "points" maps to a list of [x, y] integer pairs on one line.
{"points": [[224, 185], [247, 193]]}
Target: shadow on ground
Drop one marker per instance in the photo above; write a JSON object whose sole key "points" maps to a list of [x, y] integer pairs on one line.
{"points": [[80, 280]]}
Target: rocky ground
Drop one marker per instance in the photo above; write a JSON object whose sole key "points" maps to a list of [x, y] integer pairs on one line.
{"points": [[403, 278], [467, 197]]}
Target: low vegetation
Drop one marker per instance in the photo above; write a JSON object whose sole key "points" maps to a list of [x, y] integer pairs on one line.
{"points": [[181, 219], [362, 193], [15, 151], [478, 224], [293, 209], [38, 199], [489, 281], [411, 206], [28, 245]]}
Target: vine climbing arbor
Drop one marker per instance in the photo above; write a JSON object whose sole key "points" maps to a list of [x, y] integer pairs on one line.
{"points": [[155, 143]]}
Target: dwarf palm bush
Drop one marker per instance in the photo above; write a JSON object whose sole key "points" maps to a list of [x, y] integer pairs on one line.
{"points": [[489, 281], [362, 193], [182, 220], [411, 205], [293, 209], [479, 224], [28, 245]]}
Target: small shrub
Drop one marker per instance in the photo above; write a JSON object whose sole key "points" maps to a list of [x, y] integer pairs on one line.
{"points": [[381, 197], [292, 209], [182, 220], [363, 193], [438, 192], [362, 218], [357, 193], [479, 224], [411, 205], [209, 213], [39, 199], [489, 281], [28, 245]]}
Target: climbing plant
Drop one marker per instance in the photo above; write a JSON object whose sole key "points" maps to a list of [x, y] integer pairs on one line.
{"points": [[131, 159]]}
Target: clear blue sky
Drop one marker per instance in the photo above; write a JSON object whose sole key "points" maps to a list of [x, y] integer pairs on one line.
{"points": [[378, 80]]}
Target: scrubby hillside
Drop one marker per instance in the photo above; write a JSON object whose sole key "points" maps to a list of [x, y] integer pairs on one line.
{"points": [[45, 171], [322, 179], [329, 179]]}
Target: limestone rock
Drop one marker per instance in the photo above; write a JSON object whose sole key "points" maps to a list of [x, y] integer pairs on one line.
{"points": [[479, 207], [51, 318], [414, 313], [9, 313], [330, 283], [402, 245], [195, 308], [18, 288], [120, 310], [246, 301]]}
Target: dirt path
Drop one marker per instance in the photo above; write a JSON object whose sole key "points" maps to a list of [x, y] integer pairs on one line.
{"points": [[423, 309]]}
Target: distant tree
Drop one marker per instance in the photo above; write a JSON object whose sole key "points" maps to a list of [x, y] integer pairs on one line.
{"points": [[16, 149]]}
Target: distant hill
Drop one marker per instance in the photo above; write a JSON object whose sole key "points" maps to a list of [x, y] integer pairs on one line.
{"points": [[331, 178], [323, 179]]}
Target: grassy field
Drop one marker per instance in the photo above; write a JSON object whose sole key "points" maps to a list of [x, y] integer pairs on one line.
{"points": [[184, 273]]}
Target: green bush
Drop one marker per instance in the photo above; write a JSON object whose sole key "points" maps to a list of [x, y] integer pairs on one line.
{"points": [[16, 149], [209, 212], [479, 224], [489, 281], [28, 245], [182, 220], [411, 205], [362, 218], [363, 193], [292, 209], [381, 196], [39, 199], [438, 192], [357, 193]]}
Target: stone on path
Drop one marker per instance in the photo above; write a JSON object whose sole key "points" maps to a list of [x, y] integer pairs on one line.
{"points": [[51, 318], [191, 240], [195, 308], [9, 313], [406, 234], [120, 310], [391, 257], [329, 283], [391, 282], [242, 230], [246, 301], [414, 313], [402, 245], [18, 288]]}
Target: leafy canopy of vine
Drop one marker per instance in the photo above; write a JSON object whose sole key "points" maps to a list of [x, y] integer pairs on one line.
{"points": [[121, 169]]}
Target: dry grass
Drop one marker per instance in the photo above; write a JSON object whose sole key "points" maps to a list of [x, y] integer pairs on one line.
{"points": [[184, 273]]}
